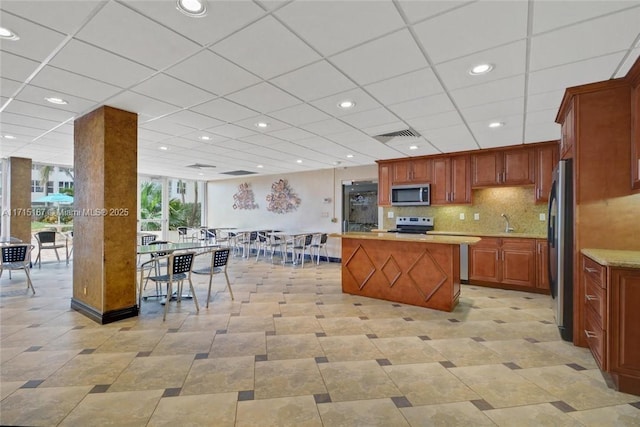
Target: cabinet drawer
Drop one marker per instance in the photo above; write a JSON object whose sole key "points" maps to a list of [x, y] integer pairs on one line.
{"points": [[595, 337], [593, 270], [595, 299]]}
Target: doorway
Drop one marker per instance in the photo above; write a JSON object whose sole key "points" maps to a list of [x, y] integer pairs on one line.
{"points": [[360, 205]]}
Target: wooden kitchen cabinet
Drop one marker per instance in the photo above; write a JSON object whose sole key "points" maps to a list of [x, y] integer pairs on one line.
{"points": [[503, 167], [635, 131], [542, 264], [384, 184], [411, 171], [504, 262], [568, 132], [450, 183], [610, 304], [546, 159]]}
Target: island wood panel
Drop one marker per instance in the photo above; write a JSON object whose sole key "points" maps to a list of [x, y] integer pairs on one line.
{"points": [[416, 273]]}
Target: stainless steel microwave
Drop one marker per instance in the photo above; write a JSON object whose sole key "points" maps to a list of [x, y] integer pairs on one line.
{"points": [[411, 195]]}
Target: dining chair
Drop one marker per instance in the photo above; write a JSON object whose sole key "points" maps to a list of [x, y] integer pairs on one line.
{"points": [[179, 266], [301, 246], [17, 257], [320, 243], [247, 241], [49, 240], [183, 234], [218, 264], [270, 243], [145, 239]]}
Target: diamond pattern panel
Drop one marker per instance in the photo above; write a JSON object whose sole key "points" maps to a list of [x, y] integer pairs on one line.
{"points": [[391, 270], [427, 285], [360, 266]]}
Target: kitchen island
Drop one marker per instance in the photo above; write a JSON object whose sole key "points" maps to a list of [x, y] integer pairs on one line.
{"points": [[416, 269]]}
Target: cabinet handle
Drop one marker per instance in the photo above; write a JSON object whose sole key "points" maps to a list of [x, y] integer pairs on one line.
{"points": [[590, 334], [591, 297], [590, 270]]}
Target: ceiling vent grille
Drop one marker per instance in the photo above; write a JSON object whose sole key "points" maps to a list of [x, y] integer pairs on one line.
{"points": [[238, 173], [200, 166], [405, 133]]}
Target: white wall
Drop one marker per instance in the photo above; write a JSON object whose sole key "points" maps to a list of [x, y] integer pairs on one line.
{"points": [[313, 213]]}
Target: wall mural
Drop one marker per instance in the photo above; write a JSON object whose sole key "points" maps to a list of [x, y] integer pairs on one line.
{"points": [[244, 199], [282, 198]]}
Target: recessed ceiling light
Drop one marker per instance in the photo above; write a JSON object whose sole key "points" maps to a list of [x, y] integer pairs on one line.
{"points": [[9, 137], [259, 166], [349, 156], [346, 104], [494, 125], [298, 161], [413, 147], [163, 148], [7, 34], [205, 138], [262, 125], [192, 8], [57, 101], [480, 69]]}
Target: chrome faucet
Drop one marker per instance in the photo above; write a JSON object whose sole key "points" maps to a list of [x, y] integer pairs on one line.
{"points": [[508, 227]]}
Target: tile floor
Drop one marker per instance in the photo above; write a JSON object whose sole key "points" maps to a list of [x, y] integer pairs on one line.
{"points": [[292, 350]]}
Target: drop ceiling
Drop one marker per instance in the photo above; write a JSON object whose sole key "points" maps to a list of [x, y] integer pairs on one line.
{"points": [[288, 64]]}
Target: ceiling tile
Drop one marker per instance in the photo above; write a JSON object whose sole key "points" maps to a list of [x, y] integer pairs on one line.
{"points": [[542, 132], [451, 139], [478, 26], [550, 15], [291, 134], [495, 111], [264, 98], [326, 81], [48, 113], [299, 114], [15, 67], [143, 105], [137, 37], [435, 121], [8, 87], [167, 127], [509, 134], [597, 37], [212, 73], [37, 95], [73, 84], [423, 148], [327, 127], [330, 104], [27, 121], [251, 123], [419, 10], [36, 42], [224, 110], [574, 74], [508, 60], [331, 26], [62, 16], [193, 120], [382, 58], [172, 91], [626, 66], [377, 116], [486, 93], [231, 131], [151, 135], [266, 48], [223, 17], [416, 84], [262, 140], [544, 101], [381, 129], [423, 106], [99, 64]]}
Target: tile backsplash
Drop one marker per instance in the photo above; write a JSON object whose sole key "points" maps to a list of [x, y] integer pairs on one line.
{"points": [[518, 203]]}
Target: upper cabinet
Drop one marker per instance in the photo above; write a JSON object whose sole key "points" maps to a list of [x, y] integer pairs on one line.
{"points": [[384, 184], [635, 127], [450, 183], [568, 132], [503, 167], [411, 171], [546, 159]]}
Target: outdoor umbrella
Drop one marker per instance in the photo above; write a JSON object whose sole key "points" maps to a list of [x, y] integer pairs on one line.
{"points": [[57, 198]]}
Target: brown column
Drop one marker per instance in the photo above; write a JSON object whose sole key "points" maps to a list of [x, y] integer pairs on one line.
{"points": [[19, 192], [104, 224]]}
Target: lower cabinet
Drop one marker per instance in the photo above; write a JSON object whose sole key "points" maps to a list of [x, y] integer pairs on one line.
{"points": [[611, 319], [513, 263], [542, 264]]}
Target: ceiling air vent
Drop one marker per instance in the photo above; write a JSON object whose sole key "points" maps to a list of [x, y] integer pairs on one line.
{"points": [[405, 133], [238, 173], [200, 166]]}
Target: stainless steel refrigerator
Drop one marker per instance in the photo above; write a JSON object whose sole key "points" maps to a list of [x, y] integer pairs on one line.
{"points": [[560, 237]]}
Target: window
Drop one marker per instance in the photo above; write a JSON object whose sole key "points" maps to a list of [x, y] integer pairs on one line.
{"points": [[35, 186], [50, 186], [182, 187], [64, 184]]}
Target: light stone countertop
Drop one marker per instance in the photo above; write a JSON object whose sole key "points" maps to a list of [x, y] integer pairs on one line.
{"points": [[489, 234], [614, 258], [404, 237]]}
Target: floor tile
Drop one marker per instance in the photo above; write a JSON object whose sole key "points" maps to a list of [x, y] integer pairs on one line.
{"points": [[292, 377], [219, 375], [458, 414], [40, 406], [363, 413], [357, 380], [200, 410], [297, 411], [532, 416]]}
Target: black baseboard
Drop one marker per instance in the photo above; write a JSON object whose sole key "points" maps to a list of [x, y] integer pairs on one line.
{"points": [[107, 317]]}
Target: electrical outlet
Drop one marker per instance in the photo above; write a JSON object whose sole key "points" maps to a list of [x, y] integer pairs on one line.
{"points": [[543, 217], [476, 216], [390, 214], [462, 216]]}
